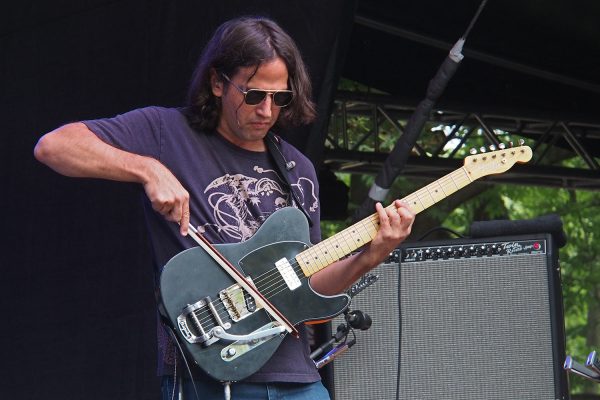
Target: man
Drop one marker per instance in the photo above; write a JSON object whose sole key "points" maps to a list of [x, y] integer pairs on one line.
{"points": [[208, 164]]}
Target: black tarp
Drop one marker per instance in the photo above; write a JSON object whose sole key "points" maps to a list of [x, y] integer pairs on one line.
{"points": [[77, 283]]}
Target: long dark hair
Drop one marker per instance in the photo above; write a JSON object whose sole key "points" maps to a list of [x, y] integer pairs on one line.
{"points": [[248, 42]]}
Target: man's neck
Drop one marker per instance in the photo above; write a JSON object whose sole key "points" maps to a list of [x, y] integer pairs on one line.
{"points": [[250, 145]]}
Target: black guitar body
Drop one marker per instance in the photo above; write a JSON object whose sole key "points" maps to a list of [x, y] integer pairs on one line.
{"points": [[192, 275]]}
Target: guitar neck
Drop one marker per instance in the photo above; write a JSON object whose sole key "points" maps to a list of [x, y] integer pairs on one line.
{"points": [[343, 243]]}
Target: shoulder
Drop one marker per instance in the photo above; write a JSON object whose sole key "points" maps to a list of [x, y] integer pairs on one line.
{"points": [[169, 120], [158, 113], [144, 116]]}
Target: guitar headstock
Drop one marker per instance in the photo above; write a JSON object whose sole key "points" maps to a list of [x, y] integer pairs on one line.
{"points": [[496, 162]]}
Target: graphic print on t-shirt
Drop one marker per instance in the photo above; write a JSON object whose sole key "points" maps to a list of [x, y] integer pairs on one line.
{"points": [[241, 203]]}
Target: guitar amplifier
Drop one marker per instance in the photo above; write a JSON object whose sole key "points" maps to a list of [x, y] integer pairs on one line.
{"points": [[460, 319]]}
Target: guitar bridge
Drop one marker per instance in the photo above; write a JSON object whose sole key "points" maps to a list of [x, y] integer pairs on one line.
{"points": [[197, 322], [238, 303]]}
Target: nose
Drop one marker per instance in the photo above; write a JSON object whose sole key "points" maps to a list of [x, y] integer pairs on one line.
{"points": [[264, 108]]}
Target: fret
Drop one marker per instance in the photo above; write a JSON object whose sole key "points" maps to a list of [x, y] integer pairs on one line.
{"points": [[328, 252], [455, 188], [371, 227], [423, 199], [345, 246], [442, 189], [335, 248], [433, 199], [305, 264], [413, 203]]}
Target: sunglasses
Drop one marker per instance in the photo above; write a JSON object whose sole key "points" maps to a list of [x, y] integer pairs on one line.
{"points": [[253, 97]]}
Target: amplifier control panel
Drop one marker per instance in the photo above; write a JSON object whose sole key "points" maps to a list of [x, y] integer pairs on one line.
{"points": [[467, 250]]}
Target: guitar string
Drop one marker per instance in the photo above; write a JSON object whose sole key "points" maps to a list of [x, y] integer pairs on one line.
{"points": [[223, 310], [268, 291], [207, 319], [277, 284], [259, 283]]}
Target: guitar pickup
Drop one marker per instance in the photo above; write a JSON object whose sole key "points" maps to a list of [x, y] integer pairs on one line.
{"points": [[288, 274]]}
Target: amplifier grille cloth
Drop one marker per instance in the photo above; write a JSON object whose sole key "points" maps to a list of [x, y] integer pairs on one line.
{"points": [[476, 328]]}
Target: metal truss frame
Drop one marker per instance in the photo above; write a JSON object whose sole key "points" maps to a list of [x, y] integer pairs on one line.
{"points": [[563, 146]]}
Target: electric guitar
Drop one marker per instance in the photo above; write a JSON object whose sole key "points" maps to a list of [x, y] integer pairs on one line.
{"points": [[226, 331]]}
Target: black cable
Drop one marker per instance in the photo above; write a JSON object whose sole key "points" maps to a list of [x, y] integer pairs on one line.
{"points": [[464, 36], [185, 362], [399, 328], [353, 336]]}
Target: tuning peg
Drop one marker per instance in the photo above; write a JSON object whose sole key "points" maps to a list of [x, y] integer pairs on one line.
{"points": [[511, 144], [482, 149], [492, 147], [502, 146], [521, 142], [473, 151]]}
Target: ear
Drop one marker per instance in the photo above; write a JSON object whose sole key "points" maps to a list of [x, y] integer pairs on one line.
{"points": [[216, 83]]}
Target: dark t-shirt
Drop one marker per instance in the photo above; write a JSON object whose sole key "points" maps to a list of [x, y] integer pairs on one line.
{"points": [[232, 191]]}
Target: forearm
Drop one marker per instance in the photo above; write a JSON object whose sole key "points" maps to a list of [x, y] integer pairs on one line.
{"points": [[340, 275], [394, 227], [73, 150]]}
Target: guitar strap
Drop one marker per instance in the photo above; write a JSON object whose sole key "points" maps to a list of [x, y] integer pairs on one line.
{"points": [[284, 168]]}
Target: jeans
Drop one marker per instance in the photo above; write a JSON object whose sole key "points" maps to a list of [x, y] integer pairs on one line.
{"points": [[213, 390]]}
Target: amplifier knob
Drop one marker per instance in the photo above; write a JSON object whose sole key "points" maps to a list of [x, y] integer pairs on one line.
{"points": [[481, 250]]}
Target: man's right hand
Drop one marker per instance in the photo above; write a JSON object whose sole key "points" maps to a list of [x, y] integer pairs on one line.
{"points": [[167, 195]]}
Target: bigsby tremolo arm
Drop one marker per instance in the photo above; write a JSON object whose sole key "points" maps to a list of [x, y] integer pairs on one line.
{"points": [[219, 332]]}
